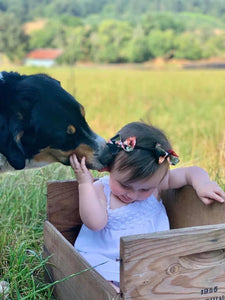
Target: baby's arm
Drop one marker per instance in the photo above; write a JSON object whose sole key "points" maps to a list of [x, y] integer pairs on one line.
{"points": [[91, 207], [208, 191]]}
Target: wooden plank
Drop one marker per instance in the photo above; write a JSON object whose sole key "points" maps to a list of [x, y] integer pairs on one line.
{"points": [[63, 207], [65, 261], [186, 263], [185, 209]]}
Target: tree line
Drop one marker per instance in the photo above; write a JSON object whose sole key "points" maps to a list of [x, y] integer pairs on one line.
{"points": [[118, 32], [27, 10]]}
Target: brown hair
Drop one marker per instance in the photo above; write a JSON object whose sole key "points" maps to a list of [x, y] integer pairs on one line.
{"points": [[140, 163]]}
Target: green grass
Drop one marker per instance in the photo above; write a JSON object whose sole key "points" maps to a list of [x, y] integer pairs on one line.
{"points": [[188, 105]]}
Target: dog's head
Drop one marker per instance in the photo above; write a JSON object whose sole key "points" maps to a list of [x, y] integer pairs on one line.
{"points": [[41, 122]]}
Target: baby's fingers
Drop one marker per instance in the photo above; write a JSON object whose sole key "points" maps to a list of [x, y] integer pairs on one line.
{"points": [[209, 199], [74, 161], [219, 194], [83, 164], [219, 198]]}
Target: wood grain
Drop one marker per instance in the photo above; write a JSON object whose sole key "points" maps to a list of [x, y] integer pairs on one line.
{"points": [[176, 264], [65, 260], [185, 209], [63, 207], [186, 263]]}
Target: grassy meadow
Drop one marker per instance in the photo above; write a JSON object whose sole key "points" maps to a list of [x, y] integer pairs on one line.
{"points": [[188, 105]]}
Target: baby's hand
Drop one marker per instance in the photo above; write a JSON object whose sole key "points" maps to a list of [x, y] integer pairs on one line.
{"points": [[82, 173], [209, 192]]}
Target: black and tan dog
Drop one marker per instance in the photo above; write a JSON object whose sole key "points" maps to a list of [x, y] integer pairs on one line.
{"points": [[41, 123]]}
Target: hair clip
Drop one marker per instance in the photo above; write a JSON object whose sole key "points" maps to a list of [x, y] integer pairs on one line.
{"points": [[116, 144], [129, 144], [169, 155]]}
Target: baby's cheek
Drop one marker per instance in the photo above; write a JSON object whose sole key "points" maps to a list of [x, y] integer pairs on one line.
{"points": [[116, 189], [120, 191]]}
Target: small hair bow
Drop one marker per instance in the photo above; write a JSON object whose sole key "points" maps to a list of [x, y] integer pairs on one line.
{"points": [[169, 155], [116, 144]]}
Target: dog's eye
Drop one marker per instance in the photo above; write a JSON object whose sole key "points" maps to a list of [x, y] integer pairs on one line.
{"points": [[71, 129]]}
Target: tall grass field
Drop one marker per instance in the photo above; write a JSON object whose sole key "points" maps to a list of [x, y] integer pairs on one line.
{"points": [[188, 105]]}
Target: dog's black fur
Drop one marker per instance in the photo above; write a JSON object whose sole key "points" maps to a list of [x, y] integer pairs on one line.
{"points": [[41, 123]]}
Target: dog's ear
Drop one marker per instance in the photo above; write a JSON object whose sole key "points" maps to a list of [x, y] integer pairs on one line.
{"points": [[9, 146], [13, 149], [15, 155]]}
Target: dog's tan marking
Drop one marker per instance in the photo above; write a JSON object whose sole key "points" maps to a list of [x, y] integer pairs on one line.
{"points": [[51, 155], [18, 136], [71, 129], [84, 150], [82, 110], [19, 115], [54, 155]]}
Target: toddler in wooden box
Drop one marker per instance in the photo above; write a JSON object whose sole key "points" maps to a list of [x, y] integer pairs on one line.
{"points": [[128, 201]]}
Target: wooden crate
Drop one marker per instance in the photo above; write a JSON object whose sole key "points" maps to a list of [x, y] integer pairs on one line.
{"points": [[185, 263]]}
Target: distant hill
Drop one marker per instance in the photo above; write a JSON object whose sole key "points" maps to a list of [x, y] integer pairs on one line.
{"points": [[27, 10]]}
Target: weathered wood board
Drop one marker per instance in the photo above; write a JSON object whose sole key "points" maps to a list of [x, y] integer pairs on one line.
{"points": [[185, 209], [179, 264], [63, 209], [186, 263], [64, 261]]}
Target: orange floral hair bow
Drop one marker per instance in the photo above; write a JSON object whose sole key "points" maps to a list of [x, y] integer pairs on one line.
{"points": [[117, 144], [169, 155]]}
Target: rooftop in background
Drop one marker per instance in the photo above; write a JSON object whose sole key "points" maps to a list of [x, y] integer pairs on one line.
{"points": [[47, 53], [42, 57]]}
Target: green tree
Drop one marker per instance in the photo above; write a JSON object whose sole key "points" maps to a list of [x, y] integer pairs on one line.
{"points": [[188, 46], [78, 45], [13, 41], [109, 42], [137, 49], [52, 35], [161, 21], [70, 21], [30, 9], [161, 43], [79, 8], [215, 45]]}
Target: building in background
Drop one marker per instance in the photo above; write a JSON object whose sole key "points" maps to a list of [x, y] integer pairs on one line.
{"points": [[42, 57]]}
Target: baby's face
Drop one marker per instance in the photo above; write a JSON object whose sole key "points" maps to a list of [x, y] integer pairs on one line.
{"points": [[134, 191]]}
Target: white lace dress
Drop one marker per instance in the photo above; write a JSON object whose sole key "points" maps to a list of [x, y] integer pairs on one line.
{"points": [[103, 246]]}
